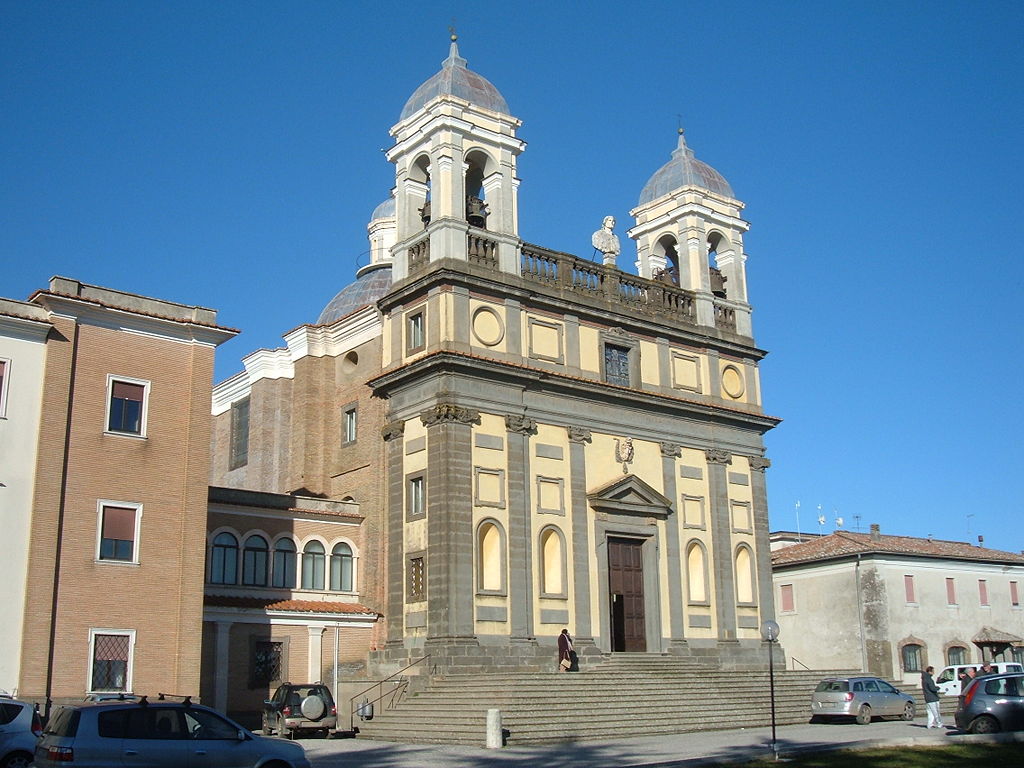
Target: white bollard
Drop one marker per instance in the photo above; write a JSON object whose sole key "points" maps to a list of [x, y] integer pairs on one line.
{"points": [[494, 729]]}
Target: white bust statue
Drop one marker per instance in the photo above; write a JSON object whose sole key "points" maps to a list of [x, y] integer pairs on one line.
{"points": [[606, 241]]}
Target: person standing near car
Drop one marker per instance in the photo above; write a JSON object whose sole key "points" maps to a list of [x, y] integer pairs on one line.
{"points": [[931, 698]]}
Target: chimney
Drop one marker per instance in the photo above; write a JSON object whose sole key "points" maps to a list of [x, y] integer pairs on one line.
{"points": [[876, 532], [981, 541]]}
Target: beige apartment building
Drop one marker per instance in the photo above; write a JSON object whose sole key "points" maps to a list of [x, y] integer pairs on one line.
{"points": [[115, 516]]}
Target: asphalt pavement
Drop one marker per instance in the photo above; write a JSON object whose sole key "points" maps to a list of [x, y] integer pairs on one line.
{"points": [[686, 750]]}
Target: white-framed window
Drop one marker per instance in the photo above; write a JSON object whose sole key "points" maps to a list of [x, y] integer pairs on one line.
{"points": [[117, 531], [415, 496], [5, 376], [110, 660], [415, 331], [349, 424], [127, 405]]}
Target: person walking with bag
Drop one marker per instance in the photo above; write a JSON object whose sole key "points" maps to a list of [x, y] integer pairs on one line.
{"points": [[931, 698], [564, 651]]}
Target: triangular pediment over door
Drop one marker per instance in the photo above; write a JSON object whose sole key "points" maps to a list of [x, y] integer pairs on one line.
{"points": [[629, 495]]}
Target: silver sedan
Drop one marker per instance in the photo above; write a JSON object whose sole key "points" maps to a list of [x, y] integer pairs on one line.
{"points": [[861, 698]]}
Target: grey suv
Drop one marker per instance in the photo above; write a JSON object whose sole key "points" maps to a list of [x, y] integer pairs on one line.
{"points": [[19, 729], [992, 703], [295, 708], [160, 734]]}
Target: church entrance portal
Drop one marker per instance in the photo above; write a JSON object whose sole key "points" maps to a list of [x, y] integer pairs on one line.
{"points": [[626, 591]]}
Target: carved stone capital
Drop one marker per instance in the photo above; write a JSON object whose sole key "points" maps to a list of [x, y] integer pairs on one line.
{"points": [[524, 425], [392, 430], [759, 463], [449, 413], [578, 434], [671, 450], [717, 456]]}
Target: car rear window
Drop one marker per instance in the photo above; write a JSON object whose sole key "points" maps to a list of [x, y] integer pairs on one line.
{"points": [[837, 686], [1002, 686], [8, 712], [64, 722]]}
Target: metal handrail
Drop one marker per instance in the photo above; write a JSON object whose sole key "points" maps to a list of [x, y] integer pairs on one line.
{"points": [[797, 661], [401, 683]]}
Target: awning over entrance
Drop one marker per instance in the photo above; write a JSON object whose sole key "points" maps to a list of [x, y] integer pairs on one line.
{"points": [[995, 642]]}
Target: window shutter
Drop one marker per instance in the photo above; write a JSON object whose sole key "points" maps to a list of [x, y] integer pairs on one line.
{"points": [[119, 523], [126, 391]]}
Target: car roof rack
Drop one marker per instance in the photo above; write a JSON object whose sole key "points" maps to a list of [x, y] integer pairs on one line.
{"points": [[186, 700]]}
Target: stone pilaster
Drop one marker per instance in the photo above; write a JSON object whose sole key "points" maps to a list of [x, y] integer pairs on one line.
{"points": [[759, 496], [721, 542], [520, 536], [669, 453], [581, 548], [392, 433]]}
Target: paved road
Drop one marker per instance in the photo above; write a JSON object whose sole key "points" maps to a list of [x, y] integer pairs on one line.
{"points": [[690, 749]]}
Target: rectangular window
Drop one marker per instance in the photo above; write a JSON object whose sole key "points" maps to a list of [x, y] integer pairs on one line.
{"points": [[1014, 596], [786, 591], [126, 406], [349, 424], [416, 586], [983, 591], [111, 660], [266, 663], [239, 433], [118, 533], [415, 502], [908, 586], [415, 339], [4, 366], [950, 591], [616, 365]]}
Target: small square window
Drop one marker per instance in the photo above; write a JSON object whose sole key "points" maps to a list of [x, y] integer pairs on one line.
{"points": [[415, 497], [415, 339], [617, 365], [349, 425], [126, 406], [118, 533], [239, 433], [111, 660], [417, 579]]}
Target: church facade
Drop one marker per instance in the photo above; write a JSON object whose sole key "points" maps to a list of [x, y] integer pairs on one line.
{"points": [[525, 440]]}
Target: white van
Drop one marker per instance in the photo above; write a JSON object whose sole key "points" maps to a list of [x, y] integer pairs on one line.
{"points": [[948, 679]]}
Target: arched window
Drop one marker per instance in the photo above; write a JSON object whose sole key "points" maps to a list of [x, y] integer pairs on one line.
{"points": [[490, 557], [552, 552], [284, 564], [911, 653], [224, 559], [744, 575], [313, 557], [254, 562], [697, 573], [956, 654], [341, 567]]}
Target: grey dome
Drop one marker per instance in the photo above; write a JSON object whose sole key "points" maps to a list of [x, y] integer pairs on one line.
{"points": [[684, 170], [385, 210], [372, 283], [455, 79]]}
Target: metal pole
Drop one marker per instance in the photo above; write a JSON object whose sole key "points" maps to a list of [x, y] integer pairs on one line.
{"points": [[771, 678]]}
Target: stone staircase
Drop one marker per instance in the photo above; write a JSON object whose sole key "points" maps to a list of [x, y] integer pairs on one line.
{"points": [[626, 695]]}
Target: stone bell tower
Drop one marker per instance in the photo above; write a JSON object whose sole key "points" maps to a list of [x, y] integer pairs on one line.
{"points": [[689, 232], [455, 170]]}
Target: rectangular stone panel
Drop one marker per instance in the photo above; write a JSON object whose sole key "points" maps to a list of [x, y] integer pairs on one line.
{"points": [[492, 442], [686, 372], [747, 622], [415, 619], [693, 512], [738, 478], [545, 340], [416, 445], [545, 451], [489, 487], [550, 495], [491, 613], [691, 473], [553, 616], [700, 622]]}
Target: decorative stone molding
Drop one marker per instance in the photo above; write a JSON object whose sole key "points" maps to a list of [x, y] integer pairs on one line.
{"points": [[524, 425], [671, 450], [448, 413], [624, 453], [578, 434], [392, 430], [759, 463], [717, 456]]}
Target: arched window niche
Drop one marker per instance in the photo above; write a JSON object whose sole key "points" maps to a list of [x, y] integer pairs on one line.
{"points": [[479, 168], [490, 541], [745, 585], [552, 563], [666, 253], [716, 242], [697, 574], [419, 172]]}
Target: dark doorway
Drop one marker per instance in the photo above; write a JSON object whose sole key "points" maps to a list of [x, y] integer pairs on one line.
{"points": [[626, 591]]}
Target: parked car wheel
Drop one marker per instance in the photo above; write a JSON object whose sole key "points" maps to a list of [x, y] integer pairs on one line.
{"points": [[908, 712], [984, 724], [864, 714], [18, 760]]}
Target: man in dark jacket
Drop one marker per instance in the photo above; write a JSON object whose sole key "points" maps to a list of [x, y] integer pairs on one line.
{"points": [[931, 698]]}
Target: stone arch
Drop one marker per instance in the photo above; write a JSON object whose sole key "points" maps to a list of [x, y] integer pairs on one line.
{"points": [[746, 581], [697, 572], [490, 556], [553, 570]]}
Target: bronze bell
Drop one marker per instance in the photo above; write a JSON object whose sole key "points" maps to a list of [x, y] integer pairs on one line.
{"points": [[425, 213], [717, 282], [476, 212]]}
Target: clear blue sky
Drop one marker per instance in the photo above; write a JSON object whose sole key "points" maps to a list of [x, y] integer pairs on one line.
{"points": [[229, 154]]}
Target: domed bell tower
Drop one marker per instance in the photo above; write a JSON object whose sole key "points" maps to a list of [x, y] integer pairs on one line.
{"points": [[455, 169], [689, 232]]}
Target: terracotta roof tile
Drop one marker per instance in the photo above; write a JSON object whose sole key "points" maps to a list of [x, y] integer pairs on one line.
{"points": [[295, 606], [846, 543], [133, 311]]}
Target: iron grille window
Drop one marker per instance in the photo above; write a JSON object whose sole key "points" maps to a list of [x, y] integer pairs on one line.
{"points": [[267, 661], [616, 365], [912, 658], [110, 662], [416, 576], [239, 433]]}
